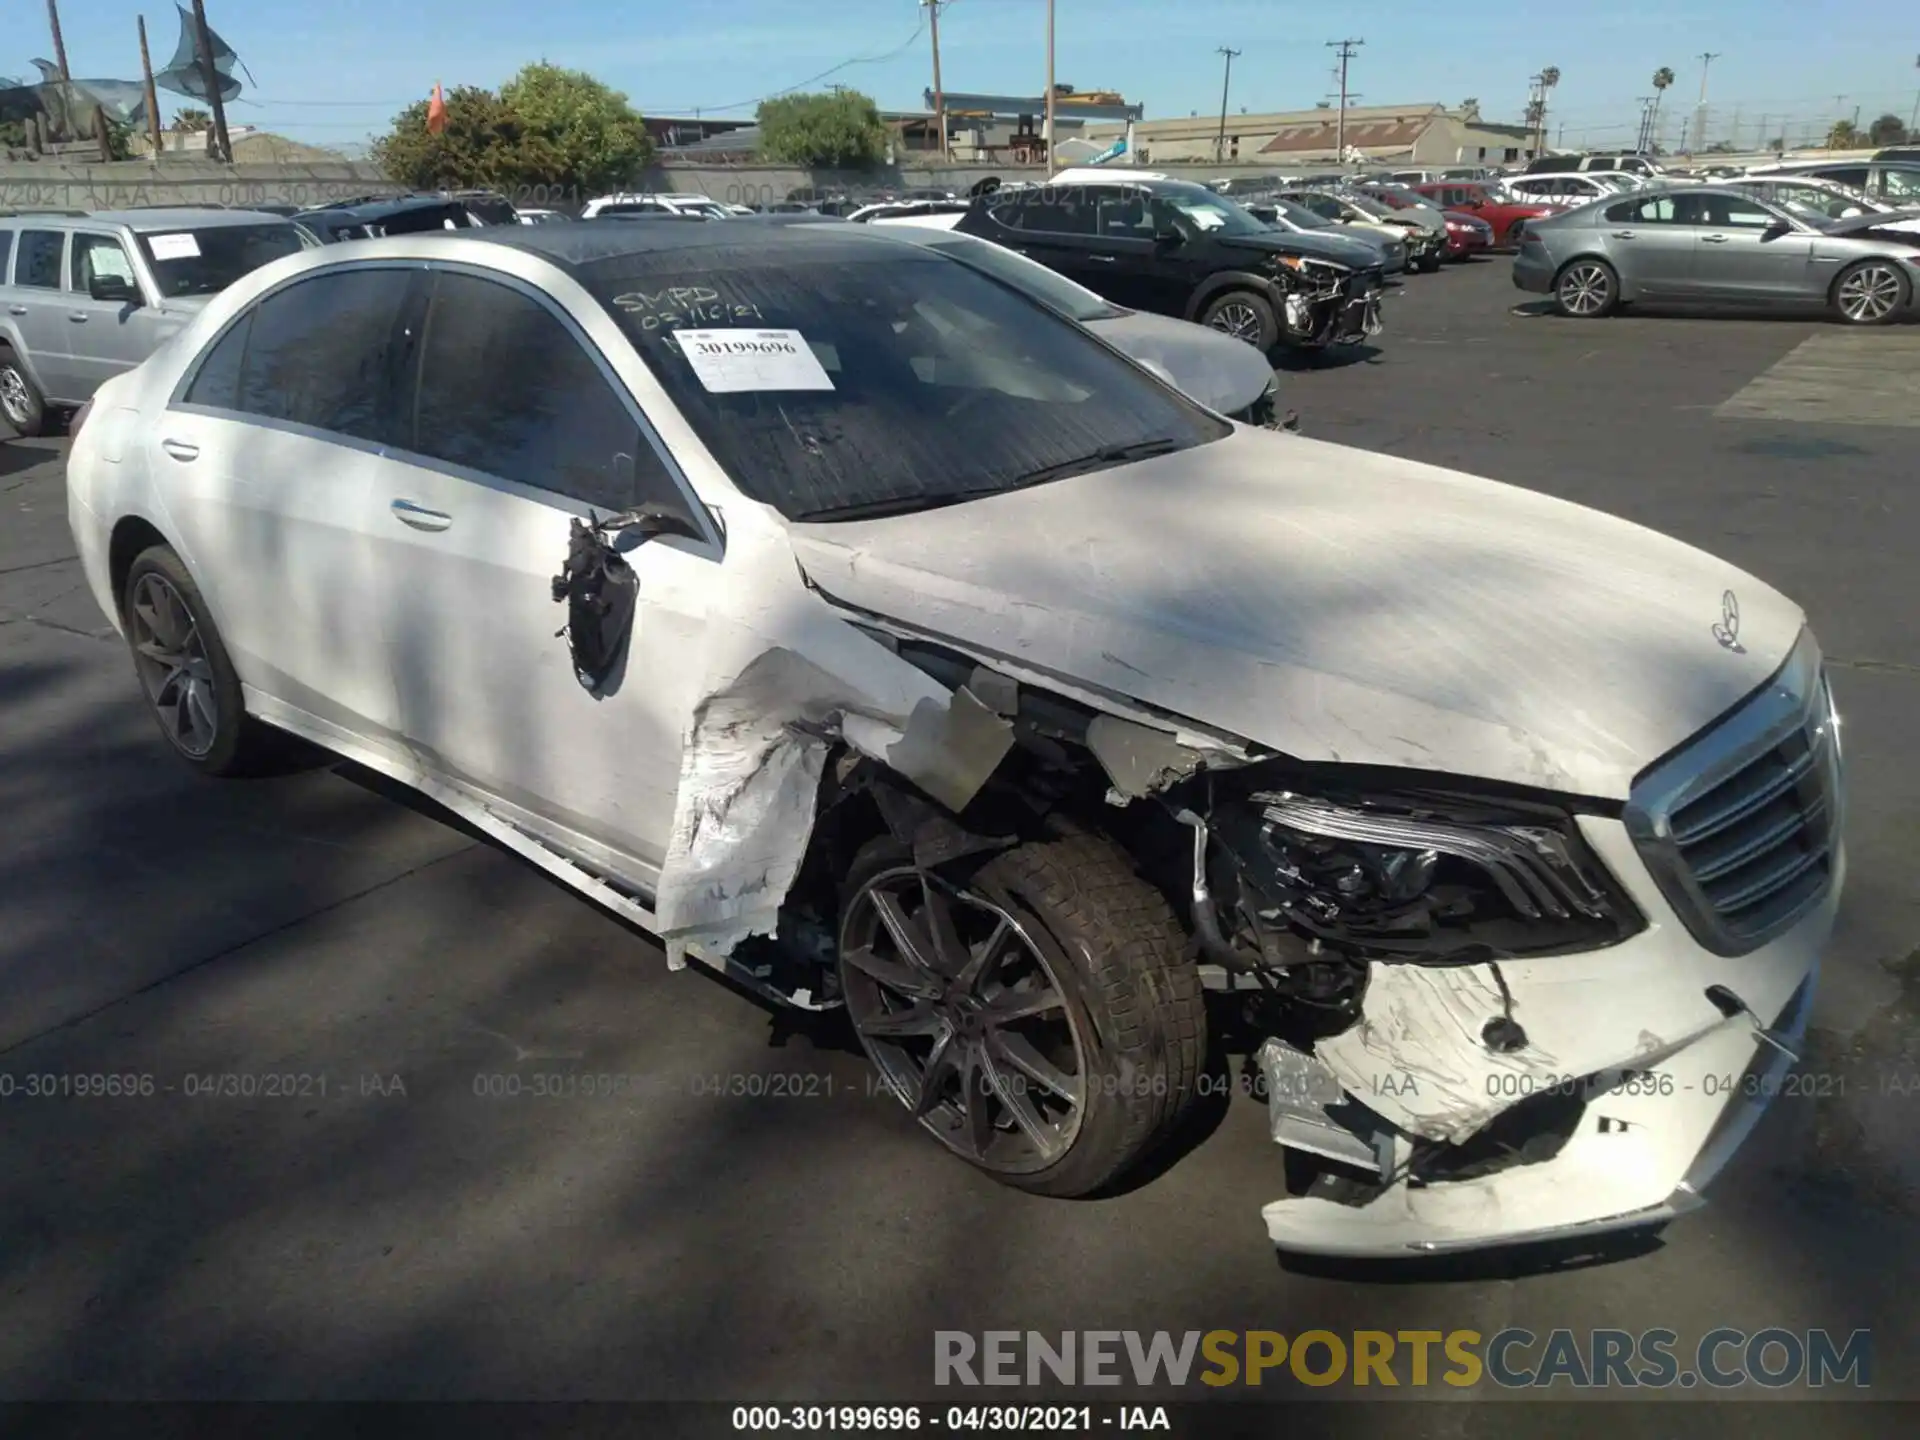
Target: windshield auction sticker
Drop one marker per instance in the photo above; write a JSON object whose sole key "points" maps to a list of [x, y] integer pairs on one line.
{"points": [[730, 361], [174, 247]]}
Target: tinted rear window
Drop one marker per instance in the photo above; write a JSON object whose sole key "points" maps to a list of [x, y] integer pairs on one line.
{"points": [[927, 377]]}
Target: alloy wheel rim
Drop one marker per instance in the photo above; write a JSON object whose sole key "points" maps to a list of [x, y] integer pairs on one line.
{"points": [[1584, 290], [172, 659], [13, 395], [963, 1014], [1239, 321], [1870, 294]]}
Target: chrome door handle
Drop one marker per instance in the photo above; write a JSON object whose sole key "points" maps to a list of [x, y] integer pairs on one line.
{"points": [[419, 517], [16, 309], [1103, 259], [1623, 234], [77, 317], [1713, 239], [180, 449]]}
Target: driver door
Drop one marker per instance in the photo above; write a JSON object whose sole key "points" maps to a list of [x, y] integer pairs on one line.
{"points": [[104, 338], [513, 428]]}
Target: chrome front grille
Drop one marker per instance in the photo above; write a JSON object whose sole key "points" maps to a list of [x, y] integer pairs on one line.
{"points": [[1741, 828]]}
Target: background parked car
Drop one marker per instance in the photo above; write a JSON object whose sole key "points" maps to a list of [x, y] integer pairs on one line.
{"points": [[1175, 248], [89, 296], [1389, 250], [1425, 242], [407, 215], [1897, 182], [1814, 196], [1507, 218], [1563, 189], [1717, 245]]}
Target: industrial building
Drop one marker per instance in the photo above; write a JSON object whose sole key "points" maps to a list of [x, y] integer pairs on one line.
{"points": [[1428, 134]]}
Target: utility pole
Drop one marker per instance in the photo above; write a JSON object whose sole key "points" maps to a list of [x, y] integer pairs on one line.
{"points": [[1641, 145], [1220, 144], [1914, 123], [1346, 49], [1049, 89], [1537, 113], [59, 45], [1700, 110], [939, 96], [203, 42], [153, 101]]}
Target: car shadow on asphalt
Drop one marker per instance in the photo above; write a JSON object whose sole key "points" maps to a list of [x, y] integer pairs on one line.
{"points": [[1334, 357]]}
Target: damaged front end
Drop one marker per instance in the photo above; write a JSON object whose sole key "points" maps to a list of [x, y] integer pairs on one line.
{"points": [[1326, 304]]}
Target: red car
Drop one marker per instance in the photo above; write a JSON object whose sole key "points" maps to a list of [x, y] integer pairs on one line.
{"points": [[1506, 217], [1467, 235]]}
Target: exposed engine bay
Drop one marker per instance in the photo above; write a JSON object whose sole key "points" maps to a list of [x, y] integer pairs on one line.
{"points": [[1327, 304]]}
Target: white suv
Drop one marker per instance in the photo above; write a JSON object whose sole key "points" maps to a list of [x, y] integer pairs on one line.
{"points": [[655, 205]]}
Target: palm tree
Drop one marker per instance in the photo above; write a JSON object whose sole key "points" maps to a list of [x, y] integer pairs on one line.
{"points": [[189, 119], [1845, 135], [1470, 110], [1662, 78]]}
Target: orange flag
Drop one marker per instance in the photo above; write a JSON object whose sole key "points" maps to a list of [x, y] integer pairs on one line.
{"points": [[436, 112]]}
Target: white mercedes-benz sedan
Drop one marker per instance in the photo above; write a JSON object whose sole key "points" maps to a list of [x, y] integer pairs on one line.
{"points": [[870, 632]]}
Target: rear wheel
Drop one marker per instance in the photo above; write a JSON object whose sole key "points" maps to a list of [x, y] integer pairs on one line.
{"points": [[1872, 292], [1245, 316], [1039, 1017], [1587, 289], [184, 670], [20, 399]]}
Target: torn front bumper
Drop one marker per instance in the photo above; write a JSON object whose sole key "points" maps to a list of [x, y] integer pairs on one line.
{"points": [[1668, 1086]]}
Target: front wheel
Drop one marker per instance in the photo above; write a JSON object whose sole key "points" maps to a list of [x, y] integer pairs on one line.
{"points": [[1038, 1017], [1872, 292], [1428, 264], [1245, 316], [1587, 290]]}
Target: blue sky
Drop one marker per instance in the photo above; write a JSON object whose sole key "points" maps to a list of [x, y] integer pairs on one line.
{"points": [[335, 72]]}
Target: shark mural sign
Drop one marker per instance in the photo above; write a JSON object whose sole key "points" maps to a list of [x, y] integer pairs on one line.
{"points": [[66, 107]]}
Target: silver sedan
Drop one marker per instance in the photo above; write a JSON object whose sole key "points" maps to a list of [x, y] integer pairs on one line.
{"points": [[1714, 245]]}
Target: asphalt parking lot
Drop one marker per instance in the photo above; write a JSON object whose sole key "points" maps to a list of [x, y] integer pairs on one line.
{"points": [[756, 1223]]}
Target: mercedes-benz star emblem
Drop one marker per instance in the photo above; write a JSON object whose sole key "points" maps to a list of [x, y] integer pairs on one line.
{"points": [[1727, 632]]}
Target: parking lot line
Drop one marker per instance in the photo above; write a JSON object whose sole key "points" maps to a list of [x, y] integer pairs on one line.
{"points": [[1858, 377]]}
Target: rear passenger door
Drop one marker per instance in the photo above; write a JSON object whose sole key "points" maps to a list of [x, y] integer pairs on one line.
{"points": [[1651, 242], [512, 427]]}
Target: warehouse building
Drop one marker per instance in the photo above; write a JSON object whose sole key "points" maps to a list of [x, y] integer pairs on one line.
{"points": [[1401, 134]]}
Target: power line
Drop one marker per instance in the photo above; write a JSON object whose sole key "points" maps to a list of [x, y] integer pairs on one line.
{"points": [[900, 49]]}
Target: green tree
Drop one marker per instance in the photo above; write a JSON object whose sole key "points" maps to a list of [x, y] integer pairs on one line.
{"points": [[190, 121], [601, 139], [547, 127], [1844, 135], [1887, 130], [840, 129]]}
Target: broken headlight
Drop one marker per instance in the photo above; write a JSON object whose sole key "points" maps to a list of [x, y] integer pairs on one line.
{"points": [[1424, 878]]}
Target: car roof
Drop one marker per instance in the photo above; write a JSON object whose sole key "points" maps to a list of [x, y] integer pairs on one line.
{"points": [[381, 209], [585, 245], [173, 217]]}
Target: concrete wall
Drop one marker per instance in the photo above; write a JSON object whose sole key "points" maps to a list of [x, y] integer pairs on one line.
{"points": [[52, 185]]}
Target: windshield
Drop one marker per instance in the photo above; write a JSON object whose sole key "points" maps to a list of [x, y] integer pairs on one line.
{"points": [[205, 262], [1200, 209], [1028, 277], [1299, 215], [857, 379], [1367, 205]]}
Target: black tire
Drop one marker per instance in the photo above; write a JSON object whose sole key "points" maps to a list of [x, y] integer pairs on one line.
{"points": [[1245, 316], [1428, 264], [204, 684], [1126, 991], [1870, 292], [21, 404], [1586, 289]]}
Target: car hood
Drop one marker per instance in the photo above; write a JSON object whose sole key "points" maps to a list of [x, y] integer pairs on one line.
{"points": [[1335, 605], [1220, 372], [1903, 222], [1341, 249]]}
